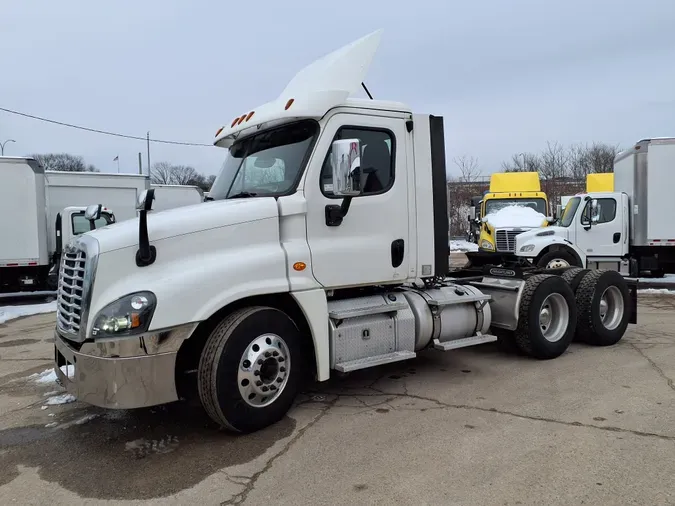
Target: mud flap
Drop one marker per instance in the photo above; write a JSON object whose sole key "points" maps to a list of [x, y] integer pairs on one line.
{"points": [[632, 290]]}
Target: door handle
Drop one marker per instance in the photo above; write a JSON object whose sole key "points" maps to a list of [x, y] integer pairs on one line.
{"points": [[397, 252], [617, 237]]}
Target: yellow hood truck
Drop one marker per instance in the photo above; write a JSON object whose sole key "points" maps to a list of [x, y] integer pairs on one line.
{"points": [[509, 189]]}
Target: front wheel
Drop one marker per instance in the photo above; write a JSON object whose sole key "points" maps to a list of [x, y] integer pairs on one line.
{"points": [[251, 368], [557, 260]]}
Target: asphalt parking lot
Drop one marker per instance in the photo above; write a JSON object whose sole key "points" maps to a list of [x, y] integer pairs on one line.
{"points": [[475, 426]]}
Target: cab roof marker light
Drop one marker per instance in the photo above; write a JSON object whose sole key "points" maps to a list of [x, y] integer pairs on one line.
{"points": [[289, 103]]}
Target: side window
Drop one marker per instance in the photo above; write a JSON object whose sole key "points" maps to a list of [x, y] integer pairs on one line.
{"points": [[81, 224], [605, 211], [378, 152]]}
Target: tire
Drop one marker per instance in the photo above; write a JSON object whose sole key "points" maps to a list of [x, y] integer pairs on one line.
{"points": [[557, 259], [547, 317], [573, 276], [234, 395], [602, 292]]}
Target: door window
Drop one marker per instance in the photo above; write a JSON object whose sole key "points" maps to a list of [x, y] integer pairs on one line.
{"points": [[378, 152], [81, 224], [605, 212]]}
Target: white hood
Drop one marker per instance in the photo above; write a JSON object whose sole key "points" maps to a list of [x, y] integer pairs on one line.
{"points": [[186, 220]]}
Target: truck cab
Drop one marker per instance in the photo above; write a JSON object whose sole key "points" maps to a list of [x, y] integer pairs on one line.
{"points": [[592, 226], [506, 190], [569, 243]]}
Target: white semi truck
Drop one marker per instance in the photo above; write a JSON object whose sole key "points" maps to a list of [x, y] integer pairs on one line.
{"points": [[329, 255], [629, 228]]}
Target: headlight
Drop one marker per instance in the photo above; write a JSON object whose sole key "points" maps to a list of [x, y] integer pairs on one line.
{"points": [[545, 233], [485, 244], [127, 316], [526, 248]]}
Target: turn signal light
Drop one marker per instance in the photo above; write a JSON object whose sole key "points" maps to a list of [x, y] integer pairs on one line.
{"points": [[289, 103], [299, 266]]}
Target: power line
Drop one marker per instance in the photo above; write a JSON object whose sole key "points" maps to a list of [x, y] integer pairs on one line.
{"points": [[104, 132]]}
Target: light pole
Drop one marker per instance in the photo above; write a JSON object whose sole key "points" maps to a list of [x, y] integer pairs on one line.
{"points": [[524, 162], [2, 146]]}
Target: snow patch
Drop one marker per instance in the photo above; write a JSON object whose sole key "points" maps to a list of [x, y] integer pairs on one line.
{"points": [[516, 216], [48, 376], [463, 246], [60, 399], [12, 312], [667, 278], [656, 291]]}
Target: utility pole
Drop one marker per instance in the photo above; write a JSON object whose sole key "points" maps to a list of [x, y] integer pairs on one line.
{"points": [[148, 153], [524, 162], [140, 163], [2, 146]]}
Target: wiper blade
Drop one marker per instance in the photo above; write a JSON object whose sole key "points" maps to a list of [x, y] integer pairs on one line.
{"points": [[242, 195]]}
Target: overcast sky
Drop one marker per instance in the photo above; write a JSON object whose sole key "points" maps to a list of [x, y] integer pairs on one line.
{"points": [[506, 75]]}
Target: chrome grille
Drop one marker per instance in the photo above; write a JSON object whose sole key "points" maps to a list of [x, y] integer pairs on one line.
{"points": [[506, 240], [71, 291]]}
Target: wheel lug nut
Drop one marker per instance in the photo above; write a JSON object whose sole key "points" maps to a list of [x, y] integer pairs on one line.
{"points": [[282, 369], [264, 389], [281, 359], [268, 354], [260, 361], [256, 373], [258, 383], [279, 380], [275, 353], [247, 364], [272, 387]]}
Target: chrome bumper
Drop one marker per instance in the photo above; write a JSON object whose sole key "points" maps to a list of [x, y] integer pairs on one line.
{"points": [[122, 374]]}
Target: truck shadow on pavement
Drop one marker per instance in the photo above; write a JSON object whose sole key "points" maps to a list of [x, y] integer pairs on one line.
{"points": [[138, 454]]}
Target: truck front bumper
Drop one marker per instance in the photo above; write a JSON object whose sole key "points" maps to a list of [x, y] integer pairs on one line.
{"points": [[128, 373]]}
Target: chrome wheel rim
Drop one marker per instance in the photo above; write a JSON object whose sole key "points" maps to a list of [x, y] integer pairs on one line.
{"points": [[554, 315], [263, 370], [611, 307], [557, 263]]}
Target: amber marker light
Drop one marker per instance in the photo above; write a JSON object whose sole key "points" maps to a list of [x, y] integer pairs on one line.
{"points": [[289, 103], [299, 266]]}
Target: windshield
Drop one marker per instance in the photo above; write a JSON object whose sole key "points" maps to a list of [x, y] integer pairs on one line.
{"points": [[266, 164], [494, 205], [569, 212]]}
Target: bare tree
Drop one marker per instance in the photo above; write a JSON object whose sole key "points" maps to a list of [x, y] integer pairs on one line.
{"points": [[468, 168], [554, 161], [63, 162], [165, 173]]}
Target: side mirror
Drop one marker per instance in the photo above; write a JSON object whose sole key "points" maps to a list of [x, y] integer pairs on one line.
{"points": [[145, 199], [345, 161], [484, 219], [472, 213], [558, 210], [93, 213]]}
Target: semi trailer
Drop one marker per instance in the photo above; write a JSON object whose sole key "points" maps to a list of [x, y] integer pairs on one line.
{"points": [[334, 261], [623, 222]]}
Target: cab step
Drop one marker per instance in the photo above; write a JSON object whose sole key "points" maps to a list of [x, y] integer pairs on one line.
{"points": [[363, 363], [465, 342]]}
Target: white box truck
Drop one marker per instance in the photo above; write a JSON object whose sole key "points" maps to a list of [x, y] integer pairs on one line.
{"points": [[329, 256], [170, 196], [31, 235], [628, 227]]}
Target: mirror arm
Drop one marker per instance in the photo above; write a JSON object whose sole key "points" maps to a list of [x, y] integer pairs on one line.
{"points": [[146, 253], [335, 214]]}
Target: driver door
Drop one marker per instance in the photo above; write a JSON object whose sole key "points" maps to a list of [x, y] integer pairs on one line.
{"points": [[600, 232], [371, 245]]}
